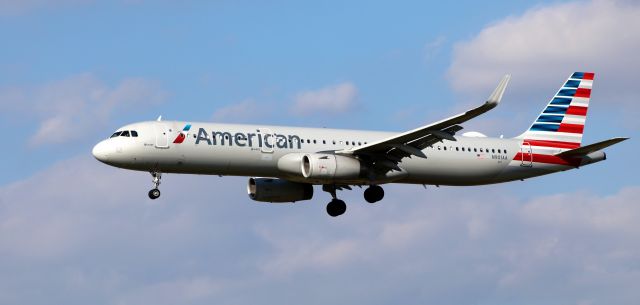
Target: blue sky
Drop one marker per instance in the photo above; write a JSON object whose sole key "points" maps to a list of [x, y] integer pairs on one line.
{"points": [[74, 230]]}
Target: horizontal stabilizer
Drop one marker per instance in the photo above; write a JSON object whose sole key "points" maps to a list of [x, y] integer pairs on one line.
{"points": [[585, 150]]}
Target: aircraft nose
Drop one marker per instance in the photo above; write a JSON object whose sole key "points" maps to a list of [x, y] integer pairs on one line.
{"points": [[101, 151]]}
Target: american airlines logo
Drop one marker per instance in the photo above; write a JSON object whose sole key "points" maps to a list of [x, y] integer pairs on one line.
{"points": [[240, 139], [182, 135]]}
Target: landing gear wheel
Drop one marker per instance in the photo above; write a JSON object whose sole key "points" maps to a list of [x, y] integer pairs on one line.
{"points": [[336, 207], [154, 193], [373, 194]]}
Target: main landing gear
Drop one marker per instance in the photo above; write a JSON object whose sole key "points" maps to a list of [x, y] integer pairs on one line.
{"points": [[337, 207], [373, 194], [155, 192]]}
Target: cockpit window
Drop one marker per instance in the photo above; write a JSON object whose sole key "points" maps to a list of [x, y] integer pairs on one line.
{"points": [[125, 133]]}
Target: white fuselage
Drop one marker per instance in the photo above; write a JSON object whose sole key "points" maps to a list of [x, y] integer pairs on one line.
{"points": [[254, 150]]}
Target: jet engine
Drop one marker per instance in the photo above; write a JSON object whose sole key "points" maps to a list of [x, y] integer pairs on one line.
{"points": [[330, 167], [278, 190]]}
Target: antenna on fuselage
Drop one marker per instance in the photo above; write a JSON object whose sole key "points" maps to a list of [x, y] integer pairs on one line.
{"points": [[159, 118]]}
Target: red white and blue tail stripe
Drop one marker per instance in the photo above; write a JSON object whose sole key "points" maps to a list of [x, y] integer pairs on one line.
{"points": [[560, 125]]}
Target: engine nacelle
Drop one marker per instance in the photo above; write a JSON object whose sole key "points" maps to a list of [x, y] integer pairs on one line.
{"points": [[330, 167], [278, 190]]}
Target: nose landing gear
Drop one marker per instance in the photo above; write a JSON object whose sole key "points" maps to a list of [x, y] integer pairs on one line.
{"points": [[155, 192]]}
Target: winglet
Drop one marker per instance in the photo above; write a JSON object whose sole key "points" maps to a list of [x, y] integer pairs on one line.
{"points": [[496, 96]]}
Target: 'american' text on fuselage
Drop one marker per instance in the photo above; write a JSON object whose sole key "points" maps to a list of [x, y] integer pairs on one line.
{"points": [[249, 139]]}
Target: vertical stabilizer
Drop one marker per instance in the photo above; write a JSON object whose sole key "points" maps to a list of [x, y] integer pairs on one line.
{"points": [[561, 123]]}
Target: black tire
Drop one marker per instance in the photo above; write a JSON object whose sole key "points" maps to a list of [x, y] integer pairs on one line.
{"points": [[336, 208], [373, 194], [369, 196], [154, 193]]}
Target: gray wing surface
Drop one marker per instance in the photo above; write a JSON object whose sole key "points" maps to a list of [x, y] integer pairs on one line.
{"points": [[389, 152]]}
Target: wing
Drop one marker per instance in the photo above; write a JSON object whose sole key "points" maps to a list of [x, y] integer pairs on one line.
{"points": [[390, 151]]}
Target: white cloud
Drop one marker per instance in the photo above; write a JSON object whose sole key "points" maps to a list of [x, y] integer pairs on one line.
{"points": [[295, 254], [544, 45], [80, 231], [338, 98], [178, 291], [74, 107], [605, 214], [240, 112], [492, 247]]}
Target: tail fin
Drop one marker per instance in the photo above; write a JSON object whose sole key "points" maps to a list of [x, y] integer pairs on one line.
{"points": [[561, 123]]}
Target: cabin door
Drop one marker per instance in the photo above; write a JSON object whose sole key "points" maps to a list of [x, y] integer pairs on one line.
{"points": [[268, 141], [162, 135]]}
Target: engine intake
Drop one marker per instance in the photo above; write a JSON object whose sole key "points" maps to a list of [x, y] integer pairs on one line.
{"points": [[278, 190]]}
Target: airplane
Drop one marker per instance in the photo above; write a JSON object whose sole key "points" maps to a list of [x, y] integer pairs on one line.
{"points": [[284, 163]]}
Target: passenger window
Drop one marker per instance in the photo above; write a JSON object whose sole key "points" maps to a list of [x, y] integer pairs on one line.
{"points": [[438, 147], [353, 143], [457, 149], [481, 150], [314, 141], [125, 133], [324, 142], [493, 151], [498, 150], [359, 143], [334, 142], [445, 148], [505, 151], [116, 134], [308, 141], [475, 150], [134, 133], [463, 149]]}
